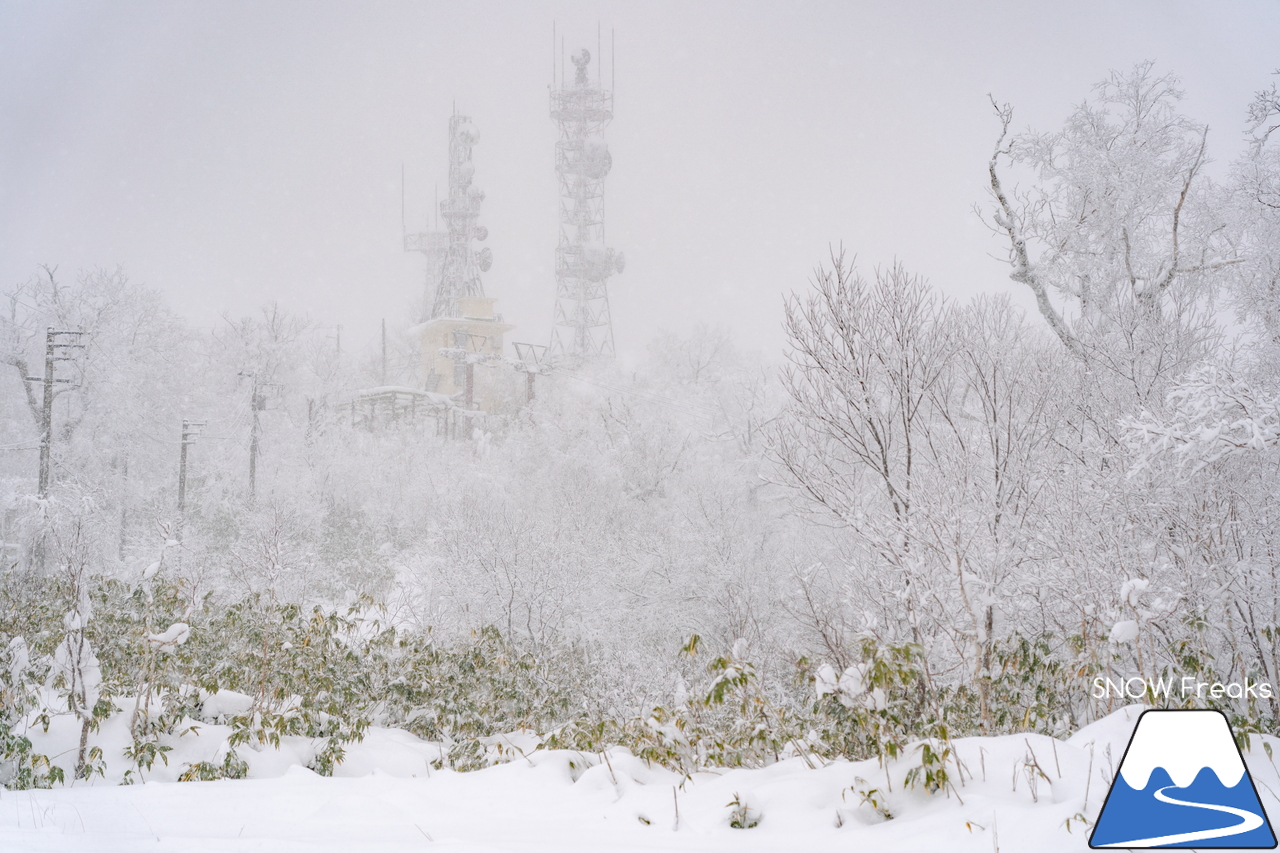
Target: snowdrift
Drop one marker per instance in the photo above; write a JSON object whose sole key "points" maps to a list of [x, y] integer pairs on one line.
{"points": [[1018, 793]]}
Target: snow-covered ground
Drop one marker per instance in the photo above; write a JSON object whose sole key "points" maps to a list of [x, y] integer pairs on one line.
{"points": [[385, 797]]}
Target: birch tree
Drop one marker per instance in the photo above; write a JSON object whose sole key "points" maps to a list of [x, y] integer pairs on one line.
{"points": [[1118, 234]]}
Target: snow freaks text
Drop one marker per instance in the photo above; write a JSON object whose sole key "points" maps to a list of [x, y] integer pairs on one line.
{"points": [[1186, 687]]}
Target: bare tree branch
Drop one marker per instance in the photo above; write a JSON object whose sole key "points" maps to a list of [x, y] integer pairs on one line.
{"points": [[1023, 270]]}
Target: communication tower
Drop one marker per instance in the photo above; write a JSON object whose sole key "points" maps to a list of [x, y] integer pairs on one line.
{"points": [[461, 330], [582, 330], [453, 263]]}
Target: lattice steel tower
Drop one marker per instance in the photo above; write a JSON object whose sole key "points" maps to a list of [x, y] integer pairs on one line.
{"points": [[583, 330], [453, 264]]}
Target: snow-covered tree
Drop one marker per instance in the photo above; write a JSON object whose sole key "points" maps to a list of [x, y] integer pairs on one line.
{"points": [[1120, 233]]}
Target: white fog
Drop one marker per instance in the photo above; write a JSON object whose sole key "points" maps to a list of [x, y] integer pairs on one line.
{"points": [[638, 425]]}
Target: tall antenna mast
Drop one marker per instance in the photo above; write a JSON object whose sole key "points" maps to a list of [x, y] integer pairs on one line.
{"points": [[453, 263], [583, 328], [463, 263]]}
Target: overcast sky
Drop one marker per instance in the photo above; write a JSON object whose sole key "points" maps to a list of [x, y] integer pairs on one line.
{"points": [[228, 154]]}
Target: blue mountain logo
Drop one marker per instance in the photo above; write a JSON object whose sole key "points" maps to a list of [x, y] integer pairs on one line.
{"points": [[1183, 783]]}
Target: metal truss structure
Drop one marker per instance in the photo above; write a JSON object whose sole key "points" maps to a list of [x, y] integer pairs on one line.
{"points": [[583, 330], [453, 263]]}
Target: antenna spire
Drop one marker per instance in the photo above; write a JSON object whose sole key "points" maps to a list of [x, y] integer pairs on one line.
{"points": [[454, 263], [583, 328]]}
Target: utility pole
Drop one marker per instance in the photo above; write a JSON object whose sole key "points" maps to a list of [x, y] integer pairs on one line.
{"points": [[190, 432], [384, 351], [124, 504], [53, 352], [468, 351], [46, 417], [471, 385], [182, 474], [256, 403]]}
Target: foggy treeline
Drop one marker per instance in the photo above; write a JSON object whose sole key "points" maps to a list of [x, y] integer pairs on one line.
{"points": [[938, 517]]}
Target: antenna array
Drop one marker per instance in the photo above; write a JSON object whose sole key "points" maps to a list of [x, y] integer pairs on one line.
{"points": [[583, 330], [453, 263]]}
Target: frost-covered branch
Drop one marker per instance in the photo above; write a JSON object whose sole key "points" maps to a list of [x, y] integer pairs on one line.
{"points": [[1007, 218], [1212, 415]]}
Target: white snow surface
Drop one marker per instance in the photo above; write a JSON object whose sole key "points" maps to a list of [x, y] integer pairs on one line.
{"points": [[174, 636], [1183, 743], [1131, 590], [224, 704], [1124, 632], [386, 797]]}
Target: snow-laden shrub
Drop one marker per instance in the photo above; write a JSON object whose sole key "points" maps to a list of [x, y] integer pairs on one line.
{"points": [[167, 664], [269, 671]]}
